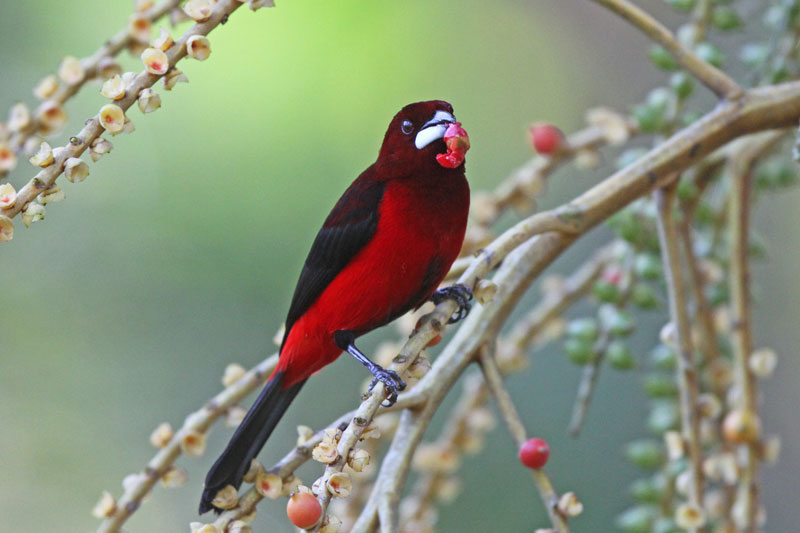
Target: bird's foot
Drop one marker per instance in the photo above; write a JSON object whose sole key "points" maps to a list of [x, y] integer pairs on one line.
{"points": [[461, 294], [392, 382]]}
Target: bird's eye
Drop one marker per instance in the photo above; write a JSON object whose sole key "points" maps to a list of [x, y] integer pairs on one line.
{"points": [[407, 127]]}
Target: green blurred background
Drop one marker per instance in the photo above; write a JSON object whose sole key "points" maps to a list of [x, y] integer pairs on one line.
{"points": [[179, 253]]}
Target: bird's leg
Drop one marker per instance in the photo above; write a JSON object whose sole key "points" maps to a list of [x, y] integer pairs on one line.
{"points": [[461, 294], [345, 340]]}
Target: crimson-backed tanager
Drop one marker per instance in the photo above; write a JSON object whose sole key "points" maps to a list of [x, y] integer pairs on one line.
{"points": [[383, 250]]}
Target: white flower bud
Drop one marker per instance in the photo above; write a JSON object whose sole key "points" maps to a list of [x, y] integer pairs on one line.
{"points": [[174, 77], [8, 159], [113, 88], [161, 436], [19, 117], [33, 213], [762, 362], [155, 60], [198, 47], [163, 41], [139, 27], [7, 195], [569, 505], [226, 498], [46, 87], [6, 229], [43, 157], [268, 485], [689, 516], [199, 10], [51, 116], [71, 70], [75, 170], [105, 507], [339, 484], [112, 118]]}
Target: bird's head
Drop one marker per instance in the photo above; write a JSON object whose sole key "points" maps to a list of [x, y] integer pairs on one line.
{"points": [[417, 135]]}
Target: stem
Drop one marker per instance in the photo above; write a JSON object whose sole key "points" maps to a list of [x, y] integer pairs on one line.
{"points": [[741, 169], [687, 371], [516, 428]]}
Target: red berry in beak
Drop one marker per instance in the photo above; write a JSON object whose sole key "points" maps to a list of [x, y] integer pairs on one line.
{"points": [[457, 141]]}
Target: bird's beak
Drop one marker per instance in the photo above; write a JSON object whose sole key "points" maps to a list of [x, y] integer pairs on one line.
{"points": [[433, 129]]}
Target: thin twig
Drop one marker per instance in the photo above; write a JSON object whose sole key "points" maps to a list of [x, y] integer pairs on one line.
{"points": [[687, 368], [713, 78], [741, 170], [509, 414]]}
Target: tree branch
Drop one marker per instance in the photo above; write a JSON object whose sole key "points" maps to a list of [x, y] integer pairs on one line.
{"points": [[121, 40], [46, 177]]}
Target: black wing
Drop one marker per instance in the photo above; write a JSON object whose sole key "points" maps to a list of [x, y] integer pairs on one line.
{"points": [[348, 228]]}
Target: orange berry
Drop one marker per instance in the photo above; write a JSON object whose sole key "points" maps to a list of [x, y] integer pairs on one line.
{"points": [[303, 510]]}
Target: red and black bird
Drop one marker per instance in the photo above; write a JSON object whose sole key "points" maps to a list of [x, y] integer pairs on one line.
{"points": [[382, 251]]}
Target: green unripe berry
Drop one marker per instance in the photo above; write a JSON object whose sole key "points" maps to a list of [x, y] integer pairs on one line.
{"points": [[725, 18], [626, 224], [648, 490], [710, 53], [619, 356], [704, 213], [647, 454], [578, 351], [583, 329], [660, 386], [618, 322], [647, 266], [754, 54], [663, 417], [644, 297], [687, 190], [650, 118], [606, 292], [662, 59], [663, 357], [682, 5], [718, 294], [682, 84]]}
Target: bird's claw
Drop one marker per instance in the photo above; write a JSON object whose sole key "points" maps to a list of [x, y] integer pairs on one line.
{"points": [[391, 381], [461, 294]]}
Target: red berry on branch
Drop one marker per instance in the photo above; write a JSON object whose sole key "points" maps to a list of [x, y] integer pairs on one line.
{"points": [[546, 138], [534, 453], [303, 510]]}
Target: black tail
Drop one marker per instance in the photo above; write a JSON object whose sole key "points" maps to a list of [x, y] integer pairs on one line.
{"points": [[248, 439]]}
